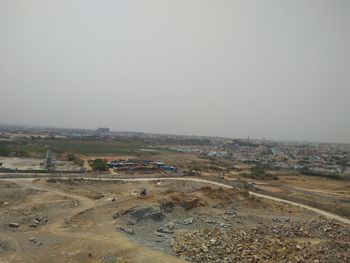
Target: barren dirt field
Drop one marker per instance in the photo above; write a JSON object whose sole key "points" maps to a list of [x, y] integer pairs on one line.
{"points": [[328, 194], [79, 220]]}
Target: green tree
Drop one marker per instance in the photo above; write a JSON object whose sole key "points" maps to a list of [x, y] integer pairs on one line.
{"points": [[99, 165]]}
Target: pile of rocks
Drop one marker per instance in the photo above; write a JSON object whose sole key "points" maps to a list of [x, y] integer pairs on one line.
{"points": [[285, 227], [168, 228], [139, 213], [35, 241], [188, 221], [231, 210], [260, 243], [208, 220], [38, 221]]}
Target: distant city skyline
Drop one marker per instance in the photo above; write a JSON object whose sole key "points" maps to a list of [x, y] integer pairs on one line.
{"points": [[274, 69], [170, 134]]}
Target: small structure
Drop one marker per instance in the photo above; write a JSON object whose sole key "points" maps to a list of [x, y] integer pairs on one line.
{"points": [[50, 161], [165, 167], [102, 131]]}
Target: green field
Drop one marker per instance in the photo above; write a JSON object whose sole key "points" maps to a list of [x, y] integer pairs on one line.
{"points": [[90, 148], [28, 148]]}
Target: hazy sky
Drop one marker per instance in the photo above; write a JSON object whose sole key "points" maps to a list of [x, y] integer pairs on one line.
{"points": [[273, 68]]}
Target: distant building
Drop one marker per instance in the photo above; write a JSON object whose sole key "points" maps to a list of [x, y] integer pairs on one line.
{"points": [[50, 161], [76, 136], [102, 131]]}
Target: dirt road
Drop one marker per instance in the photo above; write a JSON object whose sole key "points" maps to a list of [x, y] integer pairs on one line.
{"points": [[56, 228], [63, 228], [316, 210]]}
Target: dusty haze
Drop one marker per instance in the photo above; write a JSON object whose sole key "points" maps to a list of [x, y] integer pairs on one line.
{"points": [[279, 69]]}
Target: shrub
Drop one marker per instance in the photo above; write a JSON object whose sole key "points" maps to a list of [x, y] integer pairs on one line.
{"points": [[99, 165]]}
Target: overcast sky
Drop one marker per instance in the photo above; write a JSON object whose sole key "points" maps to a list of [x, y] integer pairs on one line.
{"points": [[273, 68]]}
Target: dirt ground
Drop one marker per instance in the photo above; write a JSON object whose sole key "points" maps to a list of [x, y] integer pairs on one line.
{"points": [[328, 194], [36, 164], [77, 220]]}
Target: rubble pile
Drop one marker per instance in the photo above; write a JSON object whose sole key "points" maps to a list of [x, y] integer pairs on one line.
{"points": [[283, 241], [187, 201], [139, 213], [38, 221], [35, 241], [286, 227]]}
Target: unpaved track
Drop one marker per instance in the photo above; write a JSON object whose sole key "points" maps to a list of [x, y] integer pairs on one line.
{"points": [[115, 238], [316, 210], [343, 194], [120, 239]]}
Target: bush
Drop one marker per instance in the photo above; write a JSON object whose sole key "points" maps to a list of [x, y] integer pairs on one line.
{"points": [[259, 173], [70, 157], [4, 152], [76, 160], [99, 165]]}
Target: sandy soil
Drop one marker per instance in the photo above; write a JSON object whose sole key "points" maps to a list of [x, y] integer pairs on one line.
{"points": [[81, 226], [36, 164]]}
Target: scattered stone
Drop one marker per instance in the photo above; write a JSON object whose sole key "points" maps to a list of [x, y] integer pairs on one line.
{"points": [[143, 192], [170, 225], [13, 225], [261, 243], [190, 203], [125, 229], [108, 258], [165, 230], [116, 215], [226, 218], [231, 210], [35, 241], [188, 221], [38, 220], [139, 213], [158, 234]]}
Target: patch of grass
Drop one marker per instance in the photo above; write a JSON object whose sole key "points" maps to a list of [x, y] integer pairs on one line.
{"points": [[259, 173], [75, 159], [22, 148], [39, 147], [96, 147]]}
